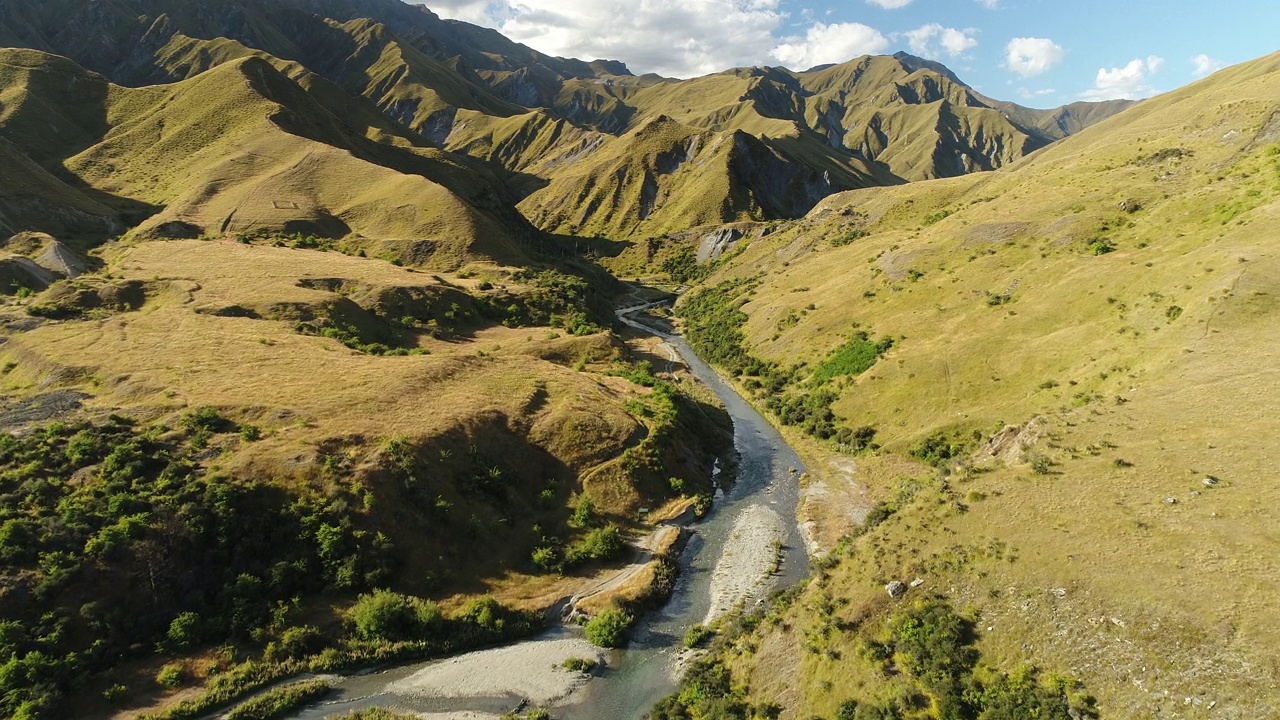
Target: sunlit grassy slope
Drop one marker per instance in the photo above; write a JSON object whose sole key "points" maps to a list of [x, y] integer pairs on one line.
{"points": [[1112, 298], [245, 149], [217, 326]]}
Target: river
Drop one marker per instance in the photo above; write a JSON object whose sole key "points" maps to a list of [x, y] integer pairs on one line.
{"points": [[716, 570]]}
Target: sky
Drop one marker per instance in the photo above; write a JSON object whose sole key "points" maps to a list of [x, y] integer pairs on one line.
{"points": [[1042, 53]]}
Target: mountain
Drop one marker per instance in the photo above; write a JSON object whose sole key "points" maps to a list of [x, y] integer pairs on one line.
{"points": [[242, 149], [769, 132], [1042, 389]]}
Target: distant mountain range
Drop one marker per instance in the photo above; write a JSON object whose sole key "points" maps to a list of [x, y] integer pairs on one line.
{"points": [[457, 134]]}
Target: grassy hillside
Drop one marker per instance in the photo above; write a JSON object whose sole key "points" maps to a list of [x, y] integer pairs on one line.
{"points": [[245, 149], [213, 442], [1060, 437]]}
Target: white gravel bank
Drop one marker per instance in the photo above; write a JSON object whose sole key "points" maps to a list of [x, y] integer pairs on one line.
{"points": [[531, 670], [747, 560]]}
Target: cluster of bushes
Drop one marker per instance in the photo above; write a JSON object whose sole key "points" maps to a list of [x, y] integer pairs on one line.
{"points": [[683, 266], [484, 622], [939, 448], [933, 646], [120, 546], [853, 357], [708, 691], [713, 326], [352, 337], [557, 299], [713, 321], [276, 703], [597, 545], [926, 647]]}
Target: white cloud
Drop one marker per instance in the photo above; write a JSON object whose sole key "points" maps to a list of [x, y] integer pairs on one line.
{"points": [[680, 38], [1131, 82], [833, 43], [889, 4], [1028, 94], [479, 12], [952, 41], [1032, 56], [1205, 65], [989, 4]]}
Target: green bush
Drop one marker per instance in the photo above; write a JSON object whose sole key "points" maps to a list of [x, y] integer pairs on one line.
{"points": [[280, 701], [609, 628], [852, 358], [203, 419], [598, 545], [386, 615], [582, 665], [170, 676], [584, 513], [185, 630], [697, 635], [1100, 246], [937, 449], [1041, 465], [294, 643]]}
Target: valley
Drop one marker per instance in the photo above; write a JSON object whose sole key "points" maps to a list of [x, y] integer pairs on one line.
{"points": [[337, 338]]}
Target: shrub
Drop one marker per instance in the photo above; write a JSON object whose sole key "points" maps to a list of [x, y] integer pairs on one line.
{"points": [[852, 358], [1040, 465], [584, 513], [205, 418], [609, 629], [386, 615], [582, 665], [170, 676], [185, 630], [1101, 246], [697, 635], [598, 545], [294, 643], [878, 514], [278, 702], [546, 558], [249, 433], [937, 449]]}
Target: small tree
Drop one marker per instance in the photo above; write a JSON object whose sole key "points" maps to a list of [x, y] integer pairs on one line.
{"points": [[185, 630], [609, 629], [386, 615]]}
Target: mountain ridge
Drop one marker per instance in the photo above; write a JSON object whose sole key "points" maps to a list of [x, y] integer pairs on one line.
{"points": [[467, 89]]}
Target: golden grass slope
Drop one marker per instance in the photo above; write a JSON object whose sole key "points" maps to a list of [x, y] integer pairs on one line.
{"points": [[1151, 367], [213, 326], [245, 149]]}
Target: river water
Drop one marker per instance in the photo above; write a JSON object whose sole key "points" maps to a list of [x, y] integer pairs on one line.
{"points": [[765, 493]]}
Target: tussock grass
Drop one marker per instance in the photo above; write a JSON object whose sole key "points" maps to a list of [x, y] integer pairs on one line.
{"points": [[1143, 405]]}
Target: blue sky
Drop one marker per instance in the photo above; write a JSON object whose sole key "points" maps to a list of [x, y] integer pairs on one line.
{"points": [[1037, 52]]}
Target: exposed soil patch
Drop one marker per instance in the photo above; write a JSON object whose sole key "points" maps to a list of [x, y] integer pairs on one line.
{"points": [[40, 408]]}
